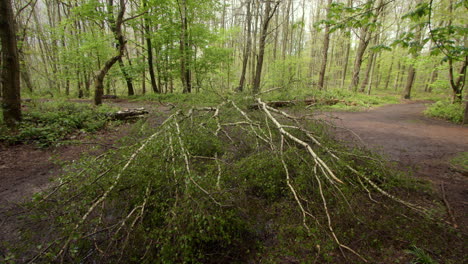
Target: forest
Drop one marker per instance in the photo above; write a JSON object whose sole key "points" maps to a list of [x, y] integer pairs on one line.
{"points": [[233, 131]]}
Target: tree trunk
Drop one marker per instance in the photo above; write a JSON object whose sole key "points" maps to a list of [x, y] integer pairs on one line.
{"points": [[412, 70], [116, 28], [245, 59], [459, 84], [261, 52], [149, 48], [432, 79], [368, 72], [10, 77], [363, 43], [127, 77], [346, 59], [326, 43], [185, 72], [365, 38], [409, 82]]}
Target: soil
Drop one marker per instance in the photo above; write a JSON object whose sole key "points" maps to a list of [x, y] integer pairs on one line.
{"points": [[419, 145]]}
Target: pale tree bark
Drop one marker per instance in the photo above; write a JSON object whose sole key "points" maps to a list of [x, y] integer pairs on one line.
{"points": [[117, 30], [326, 43], [269, 12], [365, 37], [10, 76]]}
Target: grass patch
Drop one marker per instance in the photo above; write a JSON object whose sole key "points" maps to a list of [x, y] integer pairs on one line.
{"points": [[460, 161], [46, 123], [446, 110]]}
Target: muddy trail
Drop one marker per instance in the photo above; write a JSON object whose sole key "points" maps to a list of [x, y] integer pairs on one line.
{"points": [[419, 145]]}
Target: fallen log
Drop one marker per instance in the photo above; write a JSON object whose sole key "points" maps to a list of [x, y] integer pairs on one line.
{"points": [[277, 104], [109, 96], [128, 114]]}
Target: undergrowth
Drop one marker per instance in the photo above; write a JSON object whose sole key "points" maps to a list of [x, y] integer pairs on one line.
{"points": [[226, 185], [452, 112], [46, 123]]}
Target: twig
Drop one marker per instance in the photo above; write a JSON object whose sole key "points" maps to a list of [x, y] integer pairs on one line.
{"points": [[447, 205]]}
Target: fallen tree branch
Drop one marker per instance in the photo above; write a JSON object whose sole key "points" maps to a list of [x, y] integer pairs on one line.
{"points": [[447, 205]]}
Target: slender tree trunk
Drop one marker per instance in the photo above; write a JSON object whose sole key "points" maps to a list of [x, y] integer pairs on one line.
{"points": [[370, 65], [363, 43], [432, 79], [245, 59], [409, 82], [10, 76], [346, 59], [185, 71], [127, 77], [326, 43], [365, 37], [269, 12], [387, 82], [412, 70], [149, 48]]}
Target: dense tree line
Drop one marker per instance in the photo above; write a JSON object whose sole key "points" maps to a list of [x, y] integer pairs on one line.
{"points": [[68, 47]]}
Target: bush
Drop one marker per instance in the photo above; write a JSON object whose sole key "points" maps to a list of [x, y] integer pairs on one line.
{"points": [[48, 122], [446, 110]]}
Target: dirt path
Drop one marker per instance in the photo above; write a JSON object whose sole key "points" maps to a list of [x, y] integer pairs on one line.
{"points": [[416, 142]]}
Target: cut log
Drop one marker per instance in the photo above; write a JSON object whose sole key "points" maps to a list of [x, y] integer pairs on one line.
{"points": [[128, 114]]}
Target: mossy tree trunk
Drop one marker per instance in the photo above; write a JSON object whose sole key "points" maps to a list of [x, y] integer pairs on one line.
{"points": [[11, 68]]}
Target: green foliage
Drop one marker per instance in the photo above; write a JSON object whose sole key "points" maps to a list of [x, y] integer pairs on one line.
{"points": [[45, 123], [446, 110]]}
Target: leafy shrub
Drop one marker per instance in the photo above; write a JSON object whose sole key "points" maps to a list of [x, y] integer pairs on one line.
{"points": [[48, 122], [446, 110]]}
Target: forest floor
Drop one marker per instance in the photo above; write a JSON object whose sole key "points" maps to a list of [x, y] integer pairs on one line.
{"points": [[420, 145], [27, 169]]}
